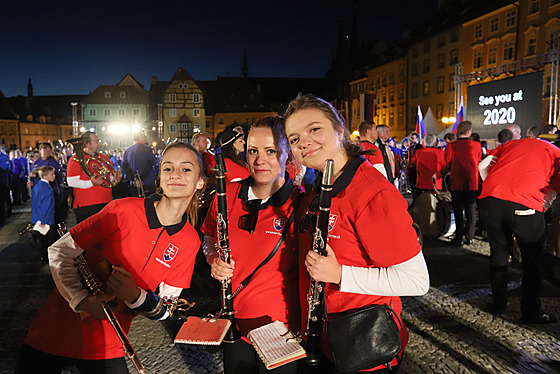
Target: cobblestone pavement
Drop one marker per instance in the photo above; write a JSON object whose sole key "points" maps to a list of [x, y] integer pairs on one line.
{"points": [[449, 331]]}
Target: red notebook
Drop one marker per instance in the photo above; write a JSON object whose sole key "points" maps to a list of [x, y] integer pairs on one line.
{"points": [[203, 331]]}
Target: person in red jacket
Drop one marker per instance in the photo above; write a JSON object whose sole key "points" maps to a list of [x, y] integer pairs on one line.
{"points": [[368, 137], [364, 265], [232, 143], [425, 163], [512, 202], [152, 248], [461, 162], [259, 208]]}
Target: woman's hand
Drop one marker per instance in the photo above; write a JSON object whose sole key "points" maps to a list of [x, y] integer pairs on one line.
{"points": [[219, 269], [121, 284], [92, 305], [324, 268]]}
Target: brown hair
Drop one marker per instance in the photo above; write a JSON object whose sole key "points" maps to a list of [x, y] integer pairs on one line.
{"points": [[192, 209], [308, 101], [276, 125], [463, 128]]}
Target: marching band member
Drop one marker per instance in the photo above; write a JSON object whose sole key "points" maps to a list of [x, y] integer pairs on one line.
{"points": [[89, 196], [259, 208], [233, 143], [150, 244], [365, 265]]}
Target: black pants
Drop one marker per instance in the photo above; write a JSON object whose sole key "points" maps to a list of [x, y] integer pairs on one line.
{"points": [[503, 219], [84, 212], [31, 360], [241, 358], [464, 202]]}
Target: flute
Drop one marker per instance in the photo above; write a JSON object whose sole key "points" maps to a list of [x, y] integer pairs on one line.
{"points": [[222, 245], [316, 294]]}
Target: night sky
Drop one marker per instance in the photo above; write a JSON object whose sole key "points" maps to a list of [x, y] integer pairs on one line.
{"points": [[71, 47]]}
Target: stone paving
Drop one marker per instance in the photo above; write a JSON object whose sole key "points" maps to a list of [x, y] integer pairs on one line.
{"points": [[449, 331]]}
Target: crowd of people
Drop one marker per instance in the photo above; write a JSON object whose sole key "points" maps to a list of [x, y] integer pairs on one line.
{"points": [[145, 221]]}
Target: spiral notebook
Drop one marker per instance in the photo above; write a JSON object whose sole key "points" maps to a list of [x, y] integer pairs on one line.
{"points": [[203, 331], [276, 345]]}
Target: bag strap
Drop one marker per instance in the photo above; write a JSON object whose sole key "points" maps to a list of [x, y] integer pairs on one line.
{"points": [[246, 281]]}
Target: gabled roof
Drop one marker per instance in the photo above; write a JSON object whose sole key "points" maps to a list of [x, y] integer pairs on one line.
{"points": [[6, 111], [134, 95], [129, 80], [182, 75]]}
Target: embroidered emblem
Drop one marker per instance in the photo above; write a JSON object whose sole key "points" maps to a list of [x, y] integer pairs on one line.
{"points": [[170, 252], [278, 223], [332, 221]]}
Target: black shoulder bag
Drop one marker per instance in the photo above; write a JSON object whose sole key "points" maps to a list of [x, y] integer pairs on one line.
{"points": [[365, 338]]}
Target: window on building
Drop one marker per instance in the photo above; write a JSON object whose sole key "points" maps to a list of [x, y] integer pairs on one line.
{"points": [[196, 98], [477, 59], [426, 47], [172, 98], [401, 93], [441, 41], [93, 112], [183, 86], [401, 70], [391, 75], [414, 69], [478, 31], [508, 51], [454, 36], [107, 94], [426, 66], [172, 128], [531, 46], [492, 53], [196, 112], [451, 82], [221, 121], [494, 23], [136, 112], [383, 97], [391, 94], [441, 61], [440, 84], [172, 112], [439, 111], [122, 94], [106, 112], [415, 52], [511, 17], [534, 6], [414, 90], [453, 56], [183, 126], [426, 88], [121, 112]]}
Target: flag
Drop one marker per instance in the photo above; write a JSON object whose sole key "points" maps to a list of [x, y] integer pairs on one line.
{"points": [[420, 126], [367, 107], [459, 118]]}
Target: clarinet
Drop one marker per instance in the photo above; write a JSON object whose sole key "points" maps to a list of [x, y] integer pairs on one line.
{"points": [[222, 245], [94, 286], [316, 294]]}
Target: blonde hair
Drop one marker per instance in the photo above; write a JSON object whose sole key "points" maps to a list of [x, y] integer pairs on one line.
{"points": [[44, 170], [192, 209]]}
